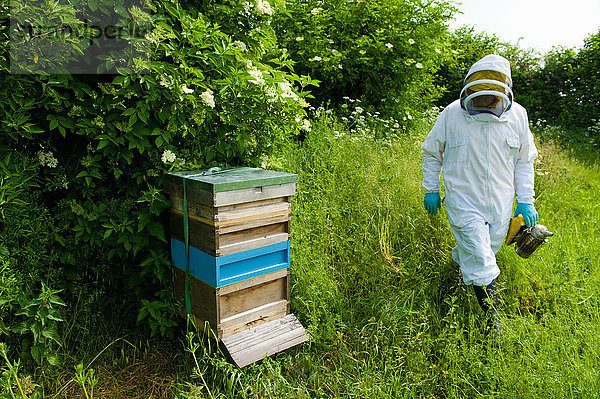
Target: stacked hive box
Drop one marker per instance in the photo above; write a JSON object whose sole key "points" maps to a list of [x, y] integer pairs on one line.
{"points": [[238, 223]]}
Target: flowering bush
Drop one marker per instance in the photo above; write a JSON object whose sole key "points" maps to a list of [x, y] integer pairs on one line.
{"points": [[206, 95], [382, 52]]}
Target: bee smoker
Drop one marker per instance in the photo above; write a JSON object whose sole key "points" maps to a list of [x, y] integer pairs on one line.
{"points": [[527, 239]]}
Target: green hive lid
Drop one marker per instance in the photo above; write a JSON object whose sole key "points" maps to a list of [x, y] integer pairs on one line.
{"points": [[231, 179]]}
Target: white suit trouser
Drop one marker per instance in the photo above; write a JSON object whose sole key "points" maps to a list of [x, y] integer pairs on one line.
{"points": [[477, 243]]}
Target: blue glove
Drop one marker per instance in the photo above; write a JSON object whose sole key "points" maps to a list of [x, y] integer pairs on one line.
{"points": [[432, 202], [529, 213]]}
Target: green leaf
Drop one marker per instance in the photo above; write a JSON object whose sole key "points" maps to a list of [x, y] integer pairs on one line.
{"points": [[128, 112], [102, 144], [53, 124], [55, 299], [156, 229], [159, 141], [37, 351], [51, 333], [54, 359]]}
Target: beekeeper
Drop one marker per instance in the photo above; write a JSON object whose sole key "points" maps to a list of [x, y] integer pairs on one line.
{"points": [[484, 148]]}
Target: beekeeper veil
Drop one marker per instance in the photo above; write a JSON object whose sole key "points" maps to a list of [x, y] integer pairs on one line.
{"points": [[487, 87]]}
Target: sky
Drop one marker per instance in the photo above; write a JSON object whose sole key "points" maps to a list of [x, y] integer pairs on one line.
{"points": [[541, 23]]}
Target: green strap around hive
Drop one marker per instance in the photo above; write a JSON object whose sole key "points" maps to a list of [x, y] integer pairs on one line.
{"points": [[186, 235]]}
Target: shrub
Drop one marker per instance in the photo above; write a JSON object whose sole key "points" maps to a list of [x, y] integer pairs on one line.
{"points": [[382, 52], [96, 146]]}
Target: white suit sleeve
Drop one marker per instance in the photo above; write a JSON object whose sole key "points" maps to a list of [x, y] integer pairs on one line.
{"points": [[433, 155], [524, 174]]}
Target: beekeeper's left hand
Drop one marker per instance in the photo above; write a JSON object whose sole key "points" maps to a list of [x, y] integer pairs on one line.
{"points": [[529, 213]]}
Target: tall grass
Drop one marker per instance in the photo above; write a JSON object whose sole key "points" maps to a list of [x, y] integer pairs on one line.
{"points": [[384, 303]]}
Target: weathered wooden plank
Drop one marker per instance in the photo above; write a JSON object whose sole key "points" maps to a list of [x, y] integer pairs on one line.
{"points": [[253, 317], [237, 306], [251, 244], [250, 338], [265, 340], [284, 218], [254, 194], [203, 298], [223, 242], [240, 236], [197, 198], [250, 212], [265, 278], [253, 297]]}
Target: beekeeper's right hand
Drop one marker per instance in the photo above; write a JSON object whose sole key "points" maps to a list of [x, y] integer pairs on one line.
{"points": [[432, 202]]}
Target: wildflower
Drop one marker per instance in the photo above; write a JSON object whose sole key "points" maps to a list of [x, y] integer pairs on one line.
{"points": [[47, 159], [305, 125], [286, 90], [186, 90], [239, 45], [316, 58], [299, 38], [358, 110], [264, 7], [411, 41], [340, 66], [419, 65], [316, 10], [166, 81], [302, 102], [168, 156], [271, 93], [389, 45], [257, 75], [208, 98]]}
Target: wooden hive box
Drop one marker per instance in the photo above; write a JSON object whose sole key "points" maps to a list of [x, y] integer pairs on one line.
{"points": [[238, 256], [231, 210]]}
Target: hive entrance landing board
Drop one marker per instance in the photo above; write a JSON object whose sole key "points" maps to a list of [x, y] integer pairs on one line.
{"points": [[252, 345]]}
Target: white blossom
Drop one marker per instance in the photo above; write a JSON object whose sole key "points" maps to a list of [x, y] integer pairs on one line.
{"points": [[316, 58], [305, 125], [411, 41], [302, 102], [257, 75], [316, 10], [299, 38], [168, 156], [389, 45], [47, 159], [166, 81], [286, 90], [419, 65], [239, 45], [359, 110], [186, 89], [208, 98], [264, 7]]}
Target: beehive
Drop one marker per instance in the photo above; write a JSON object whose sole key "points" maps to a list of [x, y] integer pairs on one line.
{"points": [[237, 257]]}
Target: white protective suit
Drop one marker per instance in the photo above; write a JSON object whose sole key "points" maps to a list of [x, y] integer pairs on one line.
{"points": [[484, 159]]}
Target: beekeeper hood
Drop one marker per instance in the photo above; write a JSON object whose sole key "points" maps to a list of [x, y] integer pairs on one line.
{"points": [[487, 87]]}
